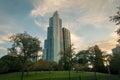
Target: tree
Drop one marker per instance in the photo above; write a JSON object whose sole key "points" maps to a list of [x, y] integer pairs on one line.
{"points": [[96, 59], [91, 56], [82, 57], [116, 19], [26, 46], [67, 58], [115, 63], [9, 64]]}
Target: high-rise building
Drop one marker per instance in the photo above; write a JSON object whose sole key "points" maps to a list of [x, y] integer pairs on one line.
{"points": [[57, 39], [54, 42]]}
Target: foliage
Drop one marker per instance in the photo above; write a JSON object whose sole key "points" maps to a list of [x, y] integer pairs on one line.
{"points": [[96, 59], [67, 58], [116, 18], [78, 67], [41, 65], [92, 56], [82, 57], [115, 60], [9, 64], [26, 46], [115, 63]]}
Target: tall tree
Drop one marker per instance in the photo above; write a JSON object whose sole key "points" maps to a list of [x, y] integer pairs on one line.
{"points": [[116, 19], [93, 56], [82, 57], [115, 63], [67, 58], [25, 46], [96, 59]]}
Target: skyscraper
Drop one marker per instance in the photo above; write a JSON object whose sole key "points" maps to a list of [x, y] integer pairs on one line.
{"points": [[54, 44]]}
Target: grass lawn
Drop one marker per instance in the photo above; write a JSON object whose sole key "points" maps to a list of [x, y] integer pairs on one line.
{"points": [[57, 75]]}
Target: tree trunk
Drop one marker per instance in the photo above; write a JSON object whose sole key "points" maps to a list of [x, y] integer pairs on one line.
{"points": [[22, 74], [80, 76], [95, 76], [69, 75], [69, 70]]}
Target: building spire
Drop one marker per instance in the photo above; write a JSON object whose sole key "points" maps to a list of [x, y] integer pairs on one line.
{"points": [[56, 13]]}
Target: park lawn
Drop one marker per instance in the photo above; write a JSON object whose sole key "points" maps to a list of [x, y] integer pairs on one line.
{"points": [[57, 75]]}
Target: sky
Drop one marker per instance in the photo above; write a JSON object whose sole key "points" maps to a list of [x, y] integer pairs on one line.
{"points": [[87, 20]]}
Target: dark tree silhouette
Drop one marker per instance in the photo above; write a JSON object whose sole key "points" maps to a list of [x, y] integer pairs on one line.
{"points": [[115, 63], [67, 58], [116, 19]]}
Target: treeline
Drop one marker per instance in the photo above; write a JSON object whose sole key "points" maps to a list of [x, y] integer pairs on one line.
{"points": [[91, 59], [10, 63]]}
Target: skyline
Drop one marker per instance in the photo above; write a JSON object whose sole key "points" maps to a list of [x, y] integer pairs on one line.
{"points": [[87, 20]]}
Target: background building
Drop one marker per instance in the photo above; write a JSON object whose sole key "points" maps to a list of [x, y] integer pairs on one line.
{"points": [[66, 39], [116, 50]]}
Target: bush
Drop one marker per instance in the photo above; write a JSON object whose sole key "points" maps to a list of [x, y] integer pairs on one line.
{"points": [[9, 64]]}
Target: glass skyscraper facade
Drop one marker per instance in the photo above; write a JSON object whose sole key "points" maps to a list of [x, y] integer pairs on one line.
{"points": [[54, 44]]}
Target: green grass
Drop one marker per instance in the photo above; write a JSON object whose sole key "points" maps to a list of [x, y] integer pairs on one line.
{"points": [[56, 75]]}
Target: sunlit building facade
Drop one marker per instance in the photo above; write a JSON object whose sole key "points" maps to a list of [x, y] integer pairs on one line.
{"points": [[57, 39]]}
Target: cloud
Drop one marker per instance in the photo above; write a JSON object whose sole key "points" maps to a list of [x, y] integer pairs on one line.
{"points": [[42, 25], [114, 35], [3, 51], [4, 33], [95, 19], [48, 6], [3, 39], [42, 7], [77, 14], [2, 48], [4, 27], [76, 40], [86, 11], [42, 41], [105, 45]]}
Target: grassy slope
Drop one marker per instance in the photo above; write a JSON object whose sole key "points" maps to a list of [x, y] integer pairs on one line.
{"points": [[58, 75]]}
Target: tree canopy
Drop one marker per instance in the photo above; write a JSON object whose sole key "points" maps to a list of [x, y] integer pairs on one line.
{"points": [[26, 46]]}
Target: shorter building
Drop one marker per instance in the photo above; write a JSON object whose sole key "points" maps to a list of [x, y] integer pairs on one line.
{"points": [[116, 49], [66, 39]]}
